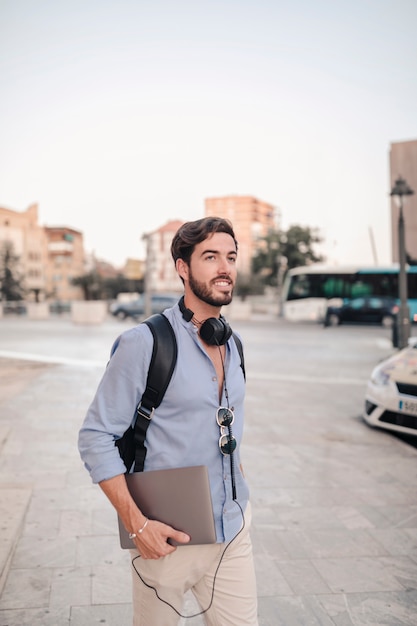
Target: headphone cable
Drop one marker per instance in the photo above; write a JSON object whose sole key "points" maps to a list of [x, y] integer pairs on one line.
{"points": [[214, 578]]}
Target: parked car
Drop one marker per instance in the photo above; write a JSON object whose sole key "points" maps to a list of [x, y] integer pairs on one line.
{"points": [[371, 310], [17, 307], [391, 393], [136, 308]]}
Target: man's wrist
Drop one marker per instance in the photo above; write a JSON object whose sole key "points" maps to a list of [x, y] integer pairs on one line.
{"points": [[140, 531]]}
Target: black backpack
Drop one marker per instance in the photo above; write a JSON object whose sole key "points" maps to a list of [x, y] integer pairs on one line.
{"points": [[164, 356]]}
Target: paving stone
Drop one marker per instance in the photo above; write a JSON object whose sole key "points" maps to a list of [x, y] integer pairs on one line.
{"points": [[13, 505]]}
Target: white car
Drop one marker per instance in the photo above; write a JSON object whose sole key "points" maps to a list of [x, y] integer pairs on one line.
{"points": [[391, 394]]}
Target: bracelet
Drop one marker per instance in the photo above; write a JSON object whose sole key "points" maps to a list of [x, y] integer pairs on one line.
{"points": [[140, 531]]}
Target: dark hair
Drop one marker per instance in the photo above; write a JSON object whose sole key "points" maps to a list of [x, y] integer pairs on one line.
{"points": [[191, 233]]}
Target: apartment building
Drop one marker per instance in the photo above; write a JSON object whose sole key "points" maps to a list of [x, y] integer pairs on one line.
{"points": [[252, 220], [48, 257], [27, 241], [65, 261], [161, 275], [403, 163]]}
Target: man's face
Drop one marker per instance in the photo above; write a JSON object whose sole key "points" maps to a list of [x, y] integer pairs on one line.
{"points": [[212, 270]]}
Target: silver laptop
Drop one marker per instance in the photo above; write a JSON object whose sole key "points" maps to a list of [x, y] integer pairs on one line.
{"points": [[179, 497]]}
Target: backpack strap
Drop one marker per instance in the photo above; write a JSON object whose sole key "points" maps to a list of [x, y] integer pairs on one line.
{"points": [[164, 357], [240, 350]]}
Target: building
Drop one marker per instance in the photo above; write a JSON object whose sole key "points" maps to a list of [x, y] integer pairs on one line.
{"points": [[134, 269], [252, 220], [161, 275], [65, 261], [28, 243], [403, 163], [48, 257]]}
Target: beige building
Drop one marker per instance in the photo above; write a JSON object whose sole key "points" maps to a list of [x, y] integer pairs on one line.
{"points": [[252, 220], [49, 257], [403, 163], [161, 275], [134, 269], [28, 243], [65, 261]]}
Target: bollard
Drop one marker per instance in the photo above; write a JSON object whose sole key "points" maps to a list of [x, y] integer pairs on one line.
{"points": [[395, 342]]}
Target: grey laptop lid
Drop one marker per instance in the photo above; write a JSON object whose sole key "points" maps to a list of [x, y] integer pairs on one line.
{"points": [[179, 497]]}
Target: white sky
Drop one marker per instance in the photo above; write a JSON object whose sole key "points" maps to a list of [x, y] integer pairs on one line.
{"points": [[119, 115]]}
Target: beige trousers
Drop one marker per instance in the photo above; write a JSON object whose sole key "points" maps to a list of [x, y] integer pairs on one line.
{"points": [[234, 601]]}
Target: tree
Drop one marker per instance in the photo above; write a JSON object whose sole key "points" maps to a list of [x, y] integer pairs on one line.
{"points": [[91, 285], [11, 280], [288, 249], [120, 284], [96, 287]]}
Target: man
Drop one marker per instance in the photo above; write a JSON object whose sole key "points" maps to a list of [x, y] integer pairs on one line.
{"points": [[184, 431]]}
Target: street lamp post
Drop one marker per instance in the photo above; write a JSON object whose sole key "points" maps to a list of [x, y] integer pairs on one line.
{"points": [[400, 190]]}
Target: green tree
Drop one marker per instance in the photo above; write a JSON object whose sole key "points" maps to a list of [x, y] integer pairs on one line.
{"points": [[120, 284], [11, 280], [91, 284], [282, 250], [96, 287]]}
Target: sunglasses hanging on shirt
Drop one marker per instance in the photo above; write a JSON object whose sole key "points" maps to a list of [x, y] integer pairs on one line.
{"points": [[225, 418]]}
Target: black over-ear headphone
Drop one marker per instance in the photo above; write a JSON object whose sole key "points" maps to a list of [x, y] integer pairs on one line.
{"points": [[214, 331]]}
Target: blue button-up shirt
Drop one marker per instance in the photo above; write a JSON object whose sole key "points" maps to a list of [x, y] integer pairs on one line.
{"points": [[183, 430]]}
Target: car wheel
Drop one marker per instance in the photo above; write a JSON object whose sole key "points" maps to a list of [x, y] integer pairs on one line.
{"points": [[121, 315]]}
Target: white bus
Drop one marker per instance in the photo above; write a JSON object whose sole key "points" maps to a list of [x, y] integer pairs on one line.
{"points": [[309, 290]]}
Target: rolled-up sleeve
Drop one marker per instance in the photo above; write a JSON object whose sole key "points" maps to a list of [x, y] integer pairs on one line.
{"points": [[112, 410]]}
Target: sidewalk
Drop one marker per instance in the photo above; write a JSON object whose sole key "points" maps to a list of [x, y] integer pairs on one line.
{"points": [[334, 502]]}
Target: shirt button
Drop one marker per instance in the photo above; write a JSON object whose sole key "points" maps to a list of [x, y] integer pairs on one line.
{"points": [[214, 378]]}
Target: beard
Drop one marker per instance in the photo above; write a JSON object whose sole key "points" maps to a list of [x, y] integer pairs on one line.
{"points": [[204, 293]]}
